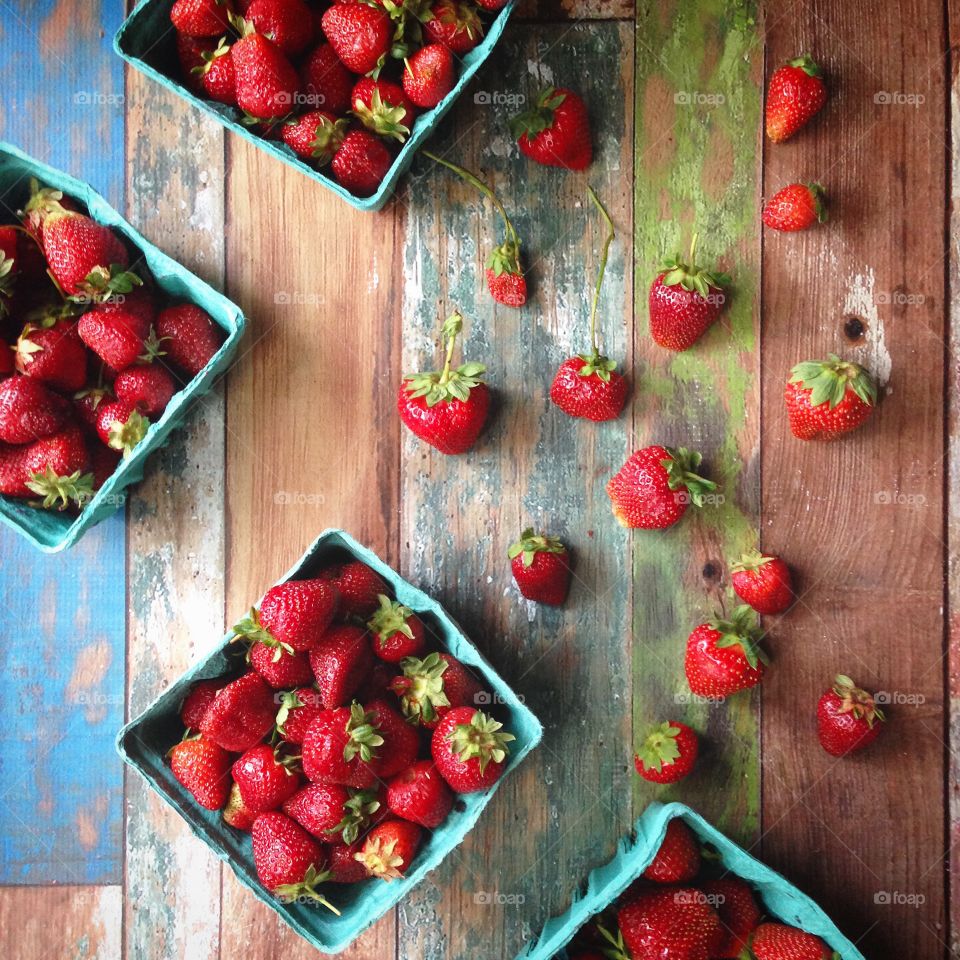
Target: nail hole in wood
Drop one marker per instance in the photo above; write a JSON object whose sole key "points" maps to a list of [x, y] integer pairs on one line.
{"points": [[711, 571], [854, 328]]}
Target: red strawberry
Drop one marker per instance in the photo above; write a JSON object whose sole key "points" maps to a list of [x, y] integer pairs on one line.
{"points": [[195, 703], [389, 849], [398, 631], [677, 923], [739, 914], [360, 34], [420, 794], [653, 489], [777, 941], [492, 5], [218, 74], [121, 426], [847, 718], [200, 18], [340, 660], [295, 613], [469, 749], [763, 581], [298, 709], [341, 747], [315, 136], [556, 130], [280, 667], [431, 687], [723, 656], [684, 301], [429, 75], [87, 402], [118, 331], [402, 742], [455, 24], [447, 409], [204, 769], [359, 586], [149, 387], [362, 162], [827, 398], [668, 753], [678, 859], [265, 778], [190, 53], [6, 361], [344, 866], [795, 95], [383, 107], [236, 813], [241, 714], [54, 354], [103, 462], [190, 337], [267, 84], [43, 201], [334, 813], [29, 410], [288, 23], [53, 468], [326, 83], [795, 207], [378, 683], [541, 567]]}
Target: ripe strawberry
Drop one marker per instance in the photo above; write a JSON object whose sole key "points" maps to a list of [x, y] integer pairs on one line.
{"points": [[200, 18], [298, 709], [739, 914], [195, 703], [402, 742], [204, 769], [121, 426], [334, 813], [469, 749], [378, 683], [265, 778], [668, 753], [149, 387], [190, 53], [315, 136], [420, 794], [541, 567], [447, 409], [684, 301], [118, 331], [383, 107], [6, 361], [827, 398], [847, 718], [52, 353], [280, 667], [360, 34], [288, 23], [360, 587], [341, 747], [492, 5], [723, 656], [103, 463], [389, 849], [326, 84], [795, 95], [340, 660], [455, 24], [677, 923], [361, 163], [29, 410], [43, 201], [295, 613], [556, 130], [267, 84], [429, 75], [398, 631], [431, 687], [777, 941], [795, 207], [653, 489], [241, 714], [87, 402], [218, 74], [53, 468], [678, 859], [236, 812], [763, 581], [343, 864]]}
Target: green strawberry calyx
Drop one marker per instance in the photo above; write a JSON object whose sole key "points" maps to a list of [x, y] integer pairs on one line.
{"points": [[125, 436], [660, 747], [819, 199], [252, 631], [807, 64], [61, 492], [481, 739], [357, 811], [858, 703], [741, 630], [530, 544], [539, 117], [421, 688], [209, 57], [749, 562], [363, 736], [688, 275], [390, 618], [380, 858], [43, 201], [152, 347], [681, 467], [505, 259], [448, 384], [289, 700], [306, 888], [596, 362], [614, 947], [101, 283], [381, 116], [829, 380]]}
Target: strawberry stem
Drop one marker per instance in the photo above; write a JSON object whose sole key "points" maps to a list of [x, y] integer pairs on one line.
{"points": [[693, 252], [451, 328], [603, 267]]}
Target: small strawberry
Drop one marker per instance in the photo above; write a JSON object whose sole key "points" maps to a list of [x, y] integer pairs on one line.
{"points": [[314, 136], [724, 657], [827, 398], [492, 5], [360, 587], [267, 83], [469, 749], [218, 74], [763, 581], [684, 301], [288, 23], [795, 207], [847, 718], [204, 769], [265, 777], [326, 84], [149, 387], [777, 941], [121, 426], [190, 337], [52, 353], [200, 18], [541, 567], [295, 613], [195, 703], [739, 914], [677, 923], [446, 408], [795, 95], [118, 330], [53, 468], [668, 753], [420, 794], [678, 858], [280, 667], [29, 410], [190, 53], [340, 660], [334, 813], [360, 34], [241, 714], [362, 162], [556, 130], [389, 849], [429, 75], [383, 108], [431, 687], [341, 747], [398, 631], [236, 812], [298, 709], [653, 489], [343, 864], [87, 402], [455, 24]]}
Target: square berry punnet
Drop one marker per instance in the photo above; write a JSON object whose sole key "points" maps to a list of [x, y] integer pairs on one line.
{"points": [[147, 41], [144, 743]]}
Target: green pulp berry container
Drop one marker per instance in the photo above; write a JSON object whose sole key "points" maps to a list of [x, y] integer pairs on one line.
{"points": [[52, 531], [147, 41], [144, 743], [780, 899]]}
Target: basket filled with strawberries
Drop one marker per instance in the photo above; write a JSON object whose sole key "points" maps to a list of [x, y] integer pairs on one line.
{"points": [[105, 343], [345, 92], [344, 738]]}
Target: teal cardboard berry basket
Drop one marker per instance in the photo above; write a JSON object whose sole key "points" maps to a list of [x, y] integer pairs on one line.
{"points": [[144, 743], [52, 531], [147, 41], [781, 900]]}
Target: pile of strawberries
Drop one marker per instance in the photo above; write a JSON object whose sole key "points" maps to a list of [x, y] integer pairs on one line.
{"points": [[346, 738], [89, 353], [339, 84]]}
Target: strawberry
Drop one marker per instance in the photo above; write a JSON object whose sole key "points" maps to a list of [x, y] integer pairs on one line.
{"points": [[43, 201], [53, 353], [53, 468], [777, 941], [280, 667], [378, 683], [383, 108], [195, 703], [191, 54], [668, 753], [402, 742], [87, 402], [361, 163], [149, 387], [289, 862], [9, 268], [359, 586], [241, 714], [200, 18], [455, 24], [677, 923], [795, 207], [298, 709], [420, 794], [653, 489], [288, 23], [389, 849], [431, 687], [541, 567], [398, 631], [236, 812], [739, 914], [827, 398], [331, 812], [847, 718], [118, 330], [294, 614], [204, 769], [556, 130], [103, 463], [265, 778], [190, 337], [469, 749], [121, 426], [795, 95], [360, 34], [29, 410], [723, 656], [340, 660], [315, 136], [325, 82], [341, 746], [267, 84], [678, 858], [218, 74], [6, 361], [762, 581], [429, 75], [492, 5], [344, 866], [684, 301], [447, 409]]}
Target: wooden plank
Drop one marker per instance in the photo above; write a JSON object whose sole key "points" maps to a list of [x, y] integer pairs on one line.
{"points": [[561, 813], [862, 520]]}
